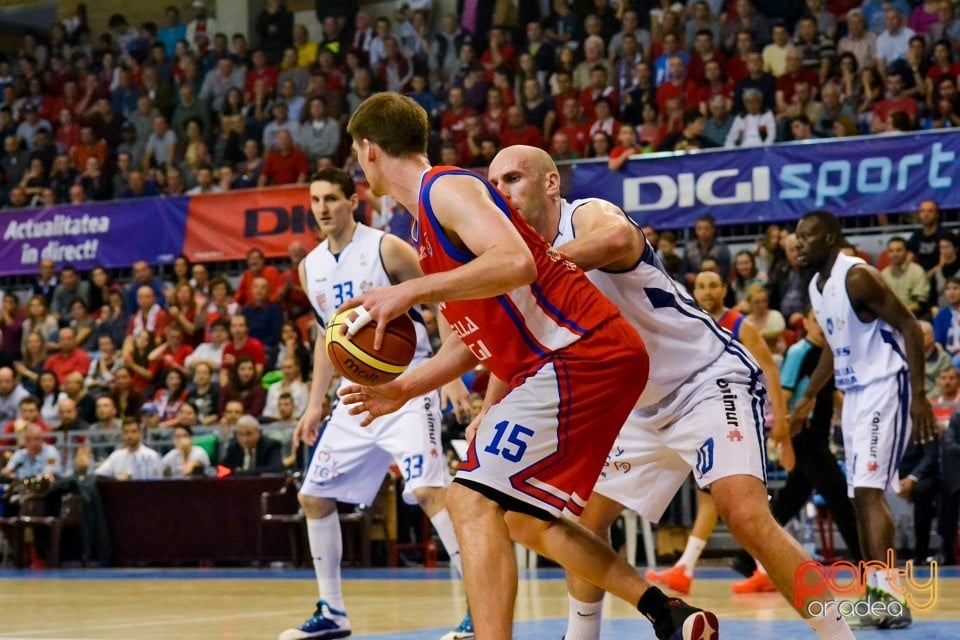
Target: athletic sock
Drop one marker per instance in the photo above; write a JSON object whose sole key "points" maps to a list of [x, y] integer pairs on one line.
{"points": [[691, 554], [830, 625], [326, 548], [444, 526], [652, 604], [583, 619]]}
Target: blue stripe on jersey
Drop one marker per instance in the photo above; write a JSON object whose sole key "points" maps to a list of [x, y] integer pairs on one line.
{"points": [[892, 341], [535, 346], [661, 299], [554, 312], [453, 251], [736, 327]]}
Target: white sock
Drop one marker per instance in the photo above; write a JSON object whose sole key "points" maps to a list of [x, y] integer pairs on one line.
{"points": [[326, 548], [761, 568], [444, 526], [830, 625], [691, 554], [882, 580], [583, 619]]}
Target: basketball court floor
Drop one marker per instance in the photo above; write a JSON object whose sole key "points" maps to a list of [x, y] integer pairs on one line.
{"points": [[403, 604]]}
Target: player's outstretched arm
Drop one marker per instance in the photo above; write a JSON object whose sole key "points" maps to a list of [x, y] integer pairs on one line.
{"points": [[606, 239], [757, 346], [451, 361], [869, 292]]}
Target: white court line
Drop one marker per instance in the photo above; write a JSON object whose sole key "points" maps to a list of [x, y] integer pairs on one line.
{"points": [[179, 620]]}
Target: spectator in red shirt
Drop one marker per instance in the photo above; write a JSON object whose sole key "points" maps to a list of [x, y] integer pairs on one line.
{"points": [[242, 345], [452, 121], [69, 358], [260, 70], [703, 53], [895, 102], [737, 65], [243, 386], [150, 316], [604, 120], [562, 88], [291, 296], [574, 126], [89, 147], [599, 87], [499, 53], [257, 267], [943, 65], [714, 85], [627, 146], [28, 412], [786, 83], [286, 164], [518, 131], [172, 353], [677, 86]]}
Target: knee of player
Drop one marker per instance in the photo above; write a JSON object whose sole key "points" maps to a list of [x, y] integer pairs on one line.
{"points": [[526, 529], [316, 508], [430, 499]]}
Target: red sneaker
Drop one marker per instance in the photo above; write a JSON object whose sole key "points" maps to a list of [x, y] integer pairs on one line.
{"points": [[759, 582], [675, 578]]}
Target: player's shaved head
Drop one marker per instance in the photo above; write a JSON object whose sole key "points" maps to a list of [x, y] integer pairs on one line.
{"points": [[529, 178]]}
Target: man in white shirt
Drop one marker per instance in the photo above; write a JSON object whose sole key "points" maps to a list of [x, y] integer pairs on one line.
{"points": [[211, 352], [893, 43], [135, 461]]}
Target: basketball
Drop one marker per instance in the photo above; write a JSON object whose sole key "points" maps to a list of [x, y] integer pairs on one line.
{"points": [[357, 360]]}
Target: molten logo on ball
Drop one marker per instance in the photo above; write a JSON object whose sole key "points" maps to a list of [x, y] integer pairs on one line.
{"points": [[355, 358]]}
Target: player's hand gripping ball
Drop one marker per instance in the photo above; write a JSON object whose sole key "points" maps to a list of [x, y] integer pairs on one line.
{"points": [[355, 358]]}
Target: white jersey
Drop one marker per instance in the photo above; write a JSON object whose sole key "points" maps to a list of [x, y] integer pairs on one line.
{"points": [[332, 279], [681, 338], [863, 352]]}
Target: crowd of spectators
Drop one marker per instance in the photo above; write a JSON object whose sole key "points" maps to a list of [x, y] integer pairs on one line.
{"points": [[173, 107], [88, 357]]}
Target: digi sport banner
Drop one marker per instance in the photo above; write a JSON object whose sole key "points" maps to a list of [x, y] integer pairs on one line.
{"points": [[856, 176]]}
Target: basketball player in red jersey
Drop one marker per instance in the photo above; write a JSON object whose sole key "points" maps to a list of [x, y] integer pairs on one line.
{"points": [[533, 319]]}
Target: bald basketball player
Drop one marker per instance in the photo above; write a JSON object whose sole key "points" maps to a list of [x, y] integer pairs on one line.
{"points": [[702, 407]]}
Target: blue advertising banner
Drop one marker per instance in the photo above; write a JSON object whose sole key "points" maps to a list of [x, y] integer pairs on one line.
{"points": [[110, 234], [853, 176]]}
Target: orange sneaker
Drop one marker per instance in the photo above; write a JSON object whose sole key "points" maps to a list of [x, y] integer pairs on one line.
{"points": [[759, 582], [675, 578]]}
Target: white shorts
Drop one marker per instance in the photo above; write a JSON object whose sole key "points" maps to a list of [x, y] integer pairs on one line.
{"points": [[876, 429], [349, 461], [712, 424]]}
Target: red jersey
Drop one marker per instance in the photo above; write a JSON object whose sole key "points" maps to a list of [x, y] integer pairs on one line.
{"points": [[514, 333], [731, 320]]}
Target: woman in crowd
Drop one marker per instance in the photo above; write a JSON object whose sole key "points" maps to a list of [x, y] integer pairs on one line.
{"points": [[600, 145], [291, 344], [947, 268], [32, 359], [100, 285], [744, 275], [769, 322], [49, 394], [112, 319], [136, 356], [221, 304], [186, 313], [39, 319], [169, 399], [244, 387], [127, 399]]}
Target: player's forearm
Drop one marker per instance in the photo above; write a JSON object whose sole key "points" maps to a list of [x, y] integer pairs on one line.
{"points": [[821, 374], [450, 362], [496, 388], [603, 247], [913, 343], [322, 374], [487, 276]]}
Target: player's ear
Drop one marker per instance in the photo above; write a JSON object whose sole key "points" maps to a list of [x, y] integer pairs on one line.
{"points": [[552, 180]]}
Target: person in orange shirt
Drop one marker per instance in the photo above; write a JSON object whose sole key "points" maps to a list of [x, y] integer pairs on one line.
{"points": [[257, 267]]}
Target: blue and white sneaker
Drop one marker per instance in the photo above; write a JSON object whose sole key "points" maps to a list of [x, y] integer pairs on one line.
{"points": [[326, 622], [463, 632]]}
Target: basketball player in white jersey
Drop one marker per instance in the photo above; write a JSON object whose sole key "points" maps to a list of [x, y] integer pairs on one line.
{"points": [[350, 461], [876, 358], [702, 408]]}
